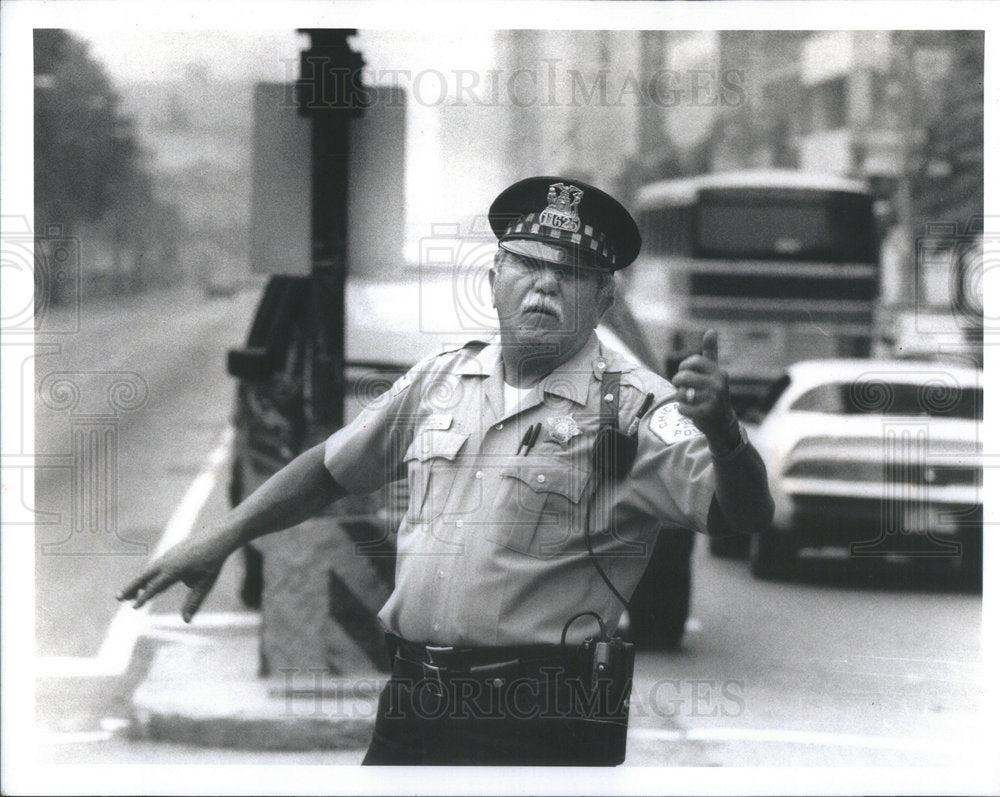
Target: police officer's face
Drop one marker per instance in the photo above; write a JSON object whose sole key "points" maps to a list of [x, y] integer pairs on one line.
{"points": [[545, 302]]}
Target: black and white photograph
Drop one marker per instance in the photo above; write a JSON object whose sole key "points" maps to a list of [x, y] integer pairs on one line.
{"points": [[595, 390]]}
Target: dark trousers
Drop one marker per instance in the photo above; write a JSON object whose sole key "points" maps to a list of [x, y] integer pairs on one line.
{"points": [[546, 718]]}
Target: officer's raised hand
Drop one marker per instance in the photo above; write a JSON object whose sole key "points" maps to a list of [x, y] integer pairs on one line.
{"points": [[703, 395], [195, 563]]}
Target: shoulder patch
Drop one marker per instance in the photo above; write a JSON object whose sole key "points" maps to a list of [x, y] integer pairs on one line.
{"points": [[670, 426]]}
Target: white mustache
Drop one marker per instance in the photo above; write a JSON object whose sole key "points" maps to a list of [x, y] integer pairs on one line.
{"points": [[543, 306]]}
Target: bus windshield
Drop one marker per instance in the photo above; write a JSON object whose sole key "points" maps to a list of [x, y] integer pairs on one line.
{"points": [[767, 224]]}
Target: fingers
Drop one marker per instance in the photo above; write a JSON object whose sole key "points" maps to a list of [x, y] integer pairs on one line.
{"points": [[710, 345], [706, 362], [195, 597], [689, 377], [132, 589], [699, 363], [154, 588]]}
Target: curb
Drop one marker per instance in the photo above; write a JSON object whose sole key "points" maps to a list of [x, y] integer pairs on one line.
{"points": [[207, 693], [204, 690]]}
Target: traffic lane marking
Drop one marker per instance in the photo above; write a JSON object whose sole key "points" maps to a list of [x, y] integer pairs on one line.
{"points": [[206, 620], [73, 737], [909, 676], [950, 662], [129, 624], [779, 736]]}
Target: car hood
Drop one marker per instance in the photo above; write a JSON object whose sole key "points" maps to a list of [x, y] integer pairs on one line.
{"points": [[397, 322]]}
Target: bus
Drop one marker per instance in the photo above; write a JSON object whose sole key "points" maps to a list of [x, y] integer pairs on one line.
{"points": [[783, 263]]}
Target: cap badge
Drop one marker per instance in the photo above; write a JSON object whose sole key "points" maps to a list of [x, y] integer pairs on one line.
{"points": [[562, 429], [562, 212]]}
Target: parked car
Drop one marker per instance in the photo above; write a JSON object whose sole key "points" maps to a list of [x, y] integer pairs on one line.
{"points": [[390, 325], [876, 457]]}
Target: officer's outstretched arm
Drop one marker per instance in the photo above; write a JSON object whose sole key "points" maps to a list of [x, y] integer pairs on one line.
{"points": [[294, 494], [740, 475]]}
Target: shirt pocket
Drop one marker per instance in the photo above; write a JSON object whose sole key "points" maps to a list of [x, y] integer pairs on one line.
{"points": [[430, 467], [537, 506]]}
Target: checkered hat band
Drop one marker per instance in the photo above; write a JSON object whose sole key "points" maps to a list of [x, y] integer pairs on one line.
{"points": [[587, 238]]}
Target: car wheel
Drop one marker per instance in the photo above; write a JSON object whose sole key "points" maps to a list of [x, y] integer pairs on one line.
{"points": [[772, 556], [971, 567], [734, 546]]}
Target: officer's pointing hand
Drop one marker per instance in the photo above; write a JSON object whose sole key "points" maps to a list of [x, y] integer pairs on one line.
{"points": [[703, 392], [195, 564]]}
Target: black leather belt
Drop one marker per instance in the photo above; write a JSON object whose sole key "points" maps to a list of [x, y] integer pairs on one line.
{"points": [[414, 660]]}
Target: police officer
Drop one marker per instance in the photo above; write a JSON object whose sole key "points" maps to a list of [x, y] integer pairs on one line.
{"points": [[540, 467]]}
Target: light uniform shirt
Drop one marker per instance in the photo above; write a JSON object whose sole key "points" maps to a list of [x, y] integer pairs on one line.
{"points": [[491, 550]]}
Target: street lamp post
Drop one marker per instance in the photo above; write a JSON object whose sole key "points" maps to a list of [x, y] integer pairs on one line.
{"points": [[329, 92]]}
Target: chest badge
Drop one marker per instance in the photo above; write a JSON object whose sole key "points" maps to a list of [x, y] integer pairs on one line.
{"points": [[440, 421], [562, 429]]}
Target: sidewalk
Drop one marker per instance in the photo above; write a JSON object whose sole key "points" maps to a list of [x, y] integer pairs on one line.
{"points": [[205, 691]]}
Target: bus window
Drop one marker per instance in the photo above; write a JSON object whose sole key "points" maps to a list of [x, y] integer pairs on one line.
{"points": [[666, 231], [827, 228]]}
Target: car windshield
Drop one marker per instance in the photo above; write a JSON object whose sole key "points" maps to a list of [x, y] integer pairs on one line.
{"points": [[935, 398]]}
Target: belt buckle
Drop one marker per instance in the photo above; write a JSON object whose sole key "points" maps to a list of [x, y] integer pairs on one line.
{"points": [[431, 670], [432, 676]]}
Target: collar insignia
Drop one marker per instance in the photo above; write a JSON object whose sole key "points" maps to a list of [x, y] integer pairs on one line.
{"points": [[562, 212]]}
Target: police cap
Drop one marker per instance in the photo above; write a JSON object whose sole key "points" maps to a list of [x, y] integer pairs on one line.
{"points": [[558, 218]]}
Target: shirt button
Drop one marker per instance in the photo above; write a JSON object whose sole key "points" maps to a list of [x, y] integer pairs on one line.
{"points": [[601, 365], [498, 682], [498, 427], [436, 626], [479, 474], [440, 573], [609, 397], [460, 523], [426, 449], [541, 478]]}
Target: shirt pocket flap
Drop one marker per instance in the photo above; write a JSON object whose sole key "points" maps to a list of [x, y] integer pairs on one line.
{"points": [[550, 477], [435, 444]]}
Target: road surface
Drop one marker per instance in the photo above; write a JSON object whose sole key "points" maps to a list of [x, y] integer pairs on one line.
{"points": [[829, 670]]}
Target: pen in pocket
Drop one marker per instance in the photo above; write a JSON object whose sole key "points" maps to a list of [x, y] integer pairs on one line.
{"points": [[530, 436], [643, 409]]}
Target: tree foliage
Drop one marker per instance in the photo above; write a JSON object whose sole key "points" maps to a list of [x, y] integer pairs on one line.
{"points": [[89, 170], [85, 153]]}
